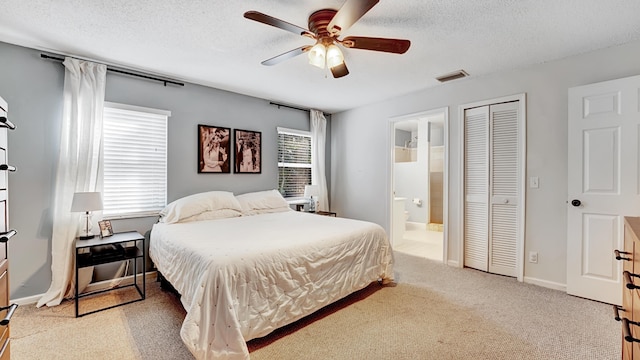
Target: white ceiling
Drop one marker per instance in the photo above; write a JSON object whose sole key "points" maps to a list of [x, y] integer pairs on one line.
{"points": [[209, 42]]}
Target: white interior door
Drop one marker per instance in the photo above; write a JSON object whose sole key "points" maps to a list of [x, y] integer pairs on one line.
{"points": [[504, 189], [476, 188], [492, 185], [603, 184]]}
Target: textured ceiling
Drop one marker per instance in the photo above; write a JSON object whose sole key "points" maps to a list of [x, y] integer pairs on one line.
{"points": [[209, 42]]}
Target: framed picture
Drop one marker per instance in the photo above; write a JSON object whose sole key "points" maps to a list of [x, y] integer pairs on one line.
{"points": [[105, 228], [248, 150], [214, 149]]}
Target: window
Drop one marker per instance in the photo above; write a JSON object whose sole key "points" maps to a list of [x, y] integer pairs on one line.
{"points": [[294, 161], [135, 160]]}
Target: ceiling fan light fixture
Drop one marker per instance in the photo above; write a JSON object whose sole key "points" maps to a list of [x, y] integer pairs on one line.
{"points": [[325, 27], [334, 56], [317, 55]]}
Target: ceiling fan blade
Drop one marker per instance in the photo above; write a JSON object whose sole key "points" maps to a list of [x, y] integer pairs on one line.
{"points": [[349, 13], [339, 71], [270, 20], [286, 56], [396, 46]]}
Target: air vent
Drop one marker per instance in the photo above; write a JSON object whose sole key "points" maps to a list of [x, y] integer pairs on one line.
{"points": [[452, 76]]}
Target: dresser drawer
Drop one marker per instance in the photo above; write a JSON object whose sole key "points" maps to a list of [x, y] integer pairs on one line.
{"points": [[3, 222], [4, 302], [5, 354]]}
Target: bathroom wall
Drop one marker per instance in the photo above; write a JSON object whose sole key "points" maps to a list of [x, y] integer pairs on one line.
{"points": [[402, 136], [436, 172], [411, 178]]}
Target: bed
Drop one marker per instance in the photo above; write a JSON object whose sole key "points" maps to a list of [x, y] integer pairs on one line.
{"points": [[246, 265]]}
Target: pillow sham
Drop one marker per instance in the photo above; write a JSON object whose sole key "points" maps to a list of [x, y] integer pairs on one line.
{"points": [[263, 202], [213, 215], [191, 206]]}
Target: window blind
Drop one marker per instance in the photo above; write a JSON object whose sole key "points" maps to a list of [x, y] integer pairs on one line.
{"points": [[294, 161], [135, 160]]}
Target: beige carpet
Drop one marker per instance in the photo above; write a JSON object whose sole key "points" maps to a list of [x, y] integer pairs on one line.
{"points": [[147, 329], [435, 312], [402, 322]]}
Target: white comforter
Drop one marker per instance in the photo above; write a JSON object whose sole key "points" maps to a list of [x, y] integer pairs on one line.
{"points": [[241, 278]]}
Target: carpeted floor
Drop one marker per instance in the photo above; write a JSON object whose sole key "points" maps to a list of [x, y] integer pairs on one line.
{"points": [[434, 312]]}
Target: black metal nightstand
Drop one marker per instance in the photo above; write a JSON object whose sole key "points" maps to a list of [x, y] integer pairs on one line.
{"points": [[118, 247]]}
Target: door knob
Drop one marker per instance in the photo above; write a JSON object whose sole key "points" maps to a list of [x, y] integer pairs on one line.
{"points": [[575, 202]]}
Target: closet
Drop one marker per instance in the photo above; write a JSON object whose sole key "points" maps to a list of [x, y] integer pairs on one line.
{"points": [[6, 310], [493, 178]]}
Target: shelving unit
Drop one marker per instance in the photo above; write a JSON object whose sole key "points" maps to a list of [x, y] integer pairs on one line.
{"points": [[6, 310], [123, 246]]}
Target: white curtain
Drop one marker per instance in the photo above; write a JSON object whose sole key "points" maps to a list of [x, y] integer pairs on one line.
{"points": [[318, 140], [79, 166]]}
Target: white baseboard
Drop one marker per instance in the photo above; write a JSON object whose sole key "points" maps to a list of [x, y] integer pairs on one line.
{"points": [[26, 300], [546, 283], [100, 285], [454, 263]]}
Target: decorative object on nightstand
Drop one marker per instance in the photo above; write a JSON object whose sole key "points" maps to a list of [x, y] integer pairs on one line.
{"points": [[309, 192], [86, 202], [105, 228]]}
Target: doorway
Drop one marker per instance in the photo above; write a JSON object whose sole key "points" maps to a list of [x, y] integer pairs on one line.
{"points": [[419, 192]]}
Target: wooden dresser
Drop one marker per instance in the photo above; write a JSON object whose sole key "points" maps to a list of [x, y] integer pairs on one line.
{"points": [[629, 313], [6, 310]]}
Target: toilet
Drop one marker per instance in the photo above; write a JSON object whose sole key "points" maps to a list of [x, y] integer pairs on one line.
{"points": [[400, 216]]}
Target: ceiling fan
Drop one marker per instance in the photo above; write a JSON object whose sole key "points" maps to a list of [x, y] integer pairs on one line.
{"points": [[325, 27]]}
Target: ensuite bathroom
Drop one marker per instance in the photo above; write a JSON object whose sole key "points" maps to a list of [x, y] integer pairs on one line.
{"points": [[418, 186]]}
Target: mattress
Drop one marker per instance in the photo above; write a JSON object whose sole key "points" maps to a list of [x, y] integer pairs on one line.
{"points": [[241, 278]]}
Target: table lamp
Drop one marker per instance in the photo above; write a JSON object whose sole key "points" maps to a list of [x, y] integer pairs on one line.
{"points": [[309, 192], [86, 202]]}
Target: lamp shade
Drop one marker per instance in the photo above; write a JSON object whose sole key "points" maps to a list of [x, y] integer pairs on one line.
{"points": [[311, 190], [317, 55], [334, 56], [86, 201]]}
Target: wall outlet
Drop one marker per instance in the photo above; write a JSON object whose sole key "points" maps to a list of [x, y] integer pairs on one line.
{"points": [[533, 257]]}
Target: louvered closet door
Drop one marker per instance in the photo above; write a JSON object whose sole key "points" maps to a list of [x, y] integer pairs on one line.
{"points": [[476, 188], [491, 188], [503, 215]]}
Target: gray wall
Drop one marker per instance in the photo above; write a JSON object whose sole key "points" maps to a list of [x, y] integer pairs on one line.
{"points": [[33, 89], [546, 87]]}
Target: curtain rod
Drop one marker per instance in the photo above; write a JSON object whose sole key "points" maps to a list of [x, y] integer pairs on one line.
{"points": [[293, 107], [125, 72]]}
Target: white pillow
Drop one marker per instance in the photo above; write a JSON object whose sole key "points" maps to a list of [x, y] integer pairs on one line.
{"points": [[189, 207], [263, 202]]}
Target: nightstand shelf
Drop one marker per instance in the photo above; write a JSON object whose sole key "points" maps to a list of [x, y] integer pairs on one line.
{"points": [[123, 246], [326, 213]]}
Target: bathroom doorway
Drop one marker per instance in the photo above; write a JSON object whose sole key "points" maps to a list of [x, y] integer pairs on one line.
{"points": [[419, 184]]}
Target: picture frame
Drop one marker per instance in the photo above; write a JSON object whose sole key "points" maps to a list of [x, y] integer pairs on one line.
{"points": [[105, 228], [248, 151], [214, 149]]}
